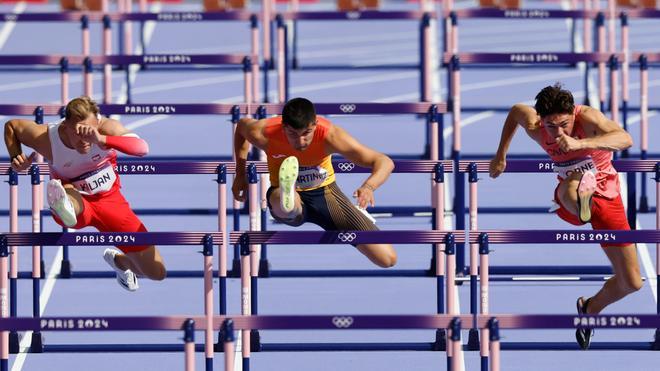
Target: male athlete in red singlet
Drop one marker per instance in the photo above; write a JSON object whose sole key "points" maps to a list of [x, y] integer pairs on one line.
{"points": [[84, 189], [580, 141], [299, 146]]}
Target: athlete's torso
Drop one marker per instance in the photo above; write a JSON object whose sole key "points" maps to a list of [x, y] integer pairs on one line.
{"points": [[315, 164], [91, 173], [597, 161]]}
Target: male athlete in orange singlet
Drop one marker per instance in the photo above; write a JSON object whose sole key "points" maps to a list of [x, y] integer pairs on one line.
{"points": [[299, 146]]}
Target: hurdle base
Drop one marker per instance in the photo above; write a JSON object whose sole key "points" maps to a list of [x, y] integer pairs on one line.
{"points": [[554, 346], [656, 343], [345, 347], [440, 343], [264, 268], [37, 343], [14, 342], [473, 339], [65, 269], [255, 341], [42, 266]]}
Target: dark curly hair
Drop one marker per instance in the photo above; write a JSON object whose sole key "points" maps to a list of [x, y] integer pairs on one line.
{"points": [[298, 113], [553, 99]]}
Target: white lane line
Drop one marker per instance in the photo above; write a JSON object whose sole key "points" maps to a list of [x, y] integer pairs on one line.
{"points": [[647, 263], [44, 297], [642, 248], [8, 27]]}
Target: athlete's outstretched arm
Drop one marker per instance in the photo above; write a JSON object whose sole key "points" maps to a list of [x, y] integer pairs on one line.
{"points": [[339, 141], [247, 131], [26, 132], [112, 134], [520, 114]]}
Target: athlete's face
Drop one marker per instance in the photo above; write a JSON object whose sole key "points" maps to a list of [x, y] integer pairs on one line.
{"points": [[74, 140], [559, 123], [300, 139]]}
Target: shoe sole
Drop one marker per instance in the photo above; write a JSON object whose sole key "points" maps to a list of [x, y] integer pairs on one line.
{"points": [[57, 199], [287, 177], [583, 336], [585, 191], [126, 285]]}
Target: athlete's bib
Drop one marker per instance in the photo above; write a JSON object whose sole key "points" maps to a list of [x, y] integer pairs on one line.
{"points": [[311, 177], [580, 165], [97, 181]]}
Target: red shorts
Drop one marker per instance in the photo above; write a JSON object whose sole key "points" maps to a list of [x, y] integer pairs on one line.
{"points": [[605, 214], [109, 212]]}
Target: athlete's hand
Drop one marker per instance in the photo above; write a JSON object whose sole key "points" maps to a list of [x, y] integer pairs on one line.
{"points": [[364, 196], [240, 187], [568, 143], [90, 134], [497, 166], [21, 162]]}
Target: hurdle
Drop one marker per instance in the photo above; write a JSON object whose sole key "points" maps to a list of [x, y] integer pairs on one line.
{"points": [[474, 168], [452, 17], [282, 50], [135, 167], [644, 60], [205, 239], [589, 6], [65, 63], [98, 324], [485, 237], [437, 168], [249, 242], [88, 62]]}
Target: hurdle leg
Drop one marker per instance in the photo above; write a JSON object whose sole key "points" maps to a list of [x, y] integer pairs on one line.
{"points": [[439, 254], [494, 329], [473, 337], [236, 263], [222, 227], [37, 343], [208, 300], [450, 249], [656, 343], [644, 125], [13, 339], [245, 298], [189, 344], [227, 339], [4, 310], [484, 278], [253, 192], [455, 328]]}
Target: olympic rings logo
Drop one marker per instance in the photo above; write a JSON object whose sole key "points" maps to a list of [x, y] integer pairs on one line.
{"points": [[342, 322], [346, 166], [346, 236], [347, 108]]}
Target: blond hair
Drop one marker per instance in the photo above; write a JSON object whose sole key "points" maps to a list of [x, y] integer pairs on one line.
{"points": [[80, 108]]}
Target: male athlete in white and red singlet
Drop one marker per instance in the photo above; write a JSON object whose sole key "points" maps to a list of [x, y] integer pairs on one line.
{"points": [[84, 189], [580, 141]]}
